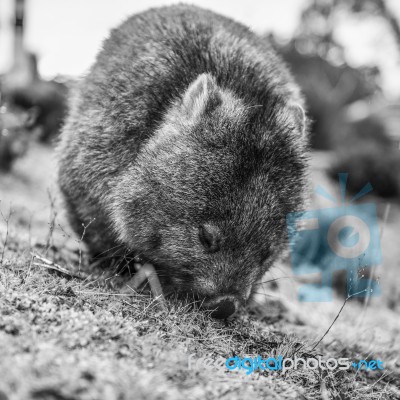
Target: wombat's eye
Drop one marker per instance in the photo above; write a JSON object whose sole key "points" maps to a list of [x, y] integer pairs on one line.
{"points": [[264, 256], [210, 237]]}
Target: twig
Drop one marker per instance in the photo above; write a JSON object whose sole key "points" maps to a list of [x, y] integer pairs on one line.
{"points": [[81, 240], [110, 294], [368, 294], [53, 216], [337, 316], [6, 220], [52, 265], [385, 218]]}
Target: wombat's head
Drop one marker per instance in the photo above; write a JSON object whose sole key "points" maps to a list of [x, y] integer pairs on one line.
{"points": [[207, 198]]}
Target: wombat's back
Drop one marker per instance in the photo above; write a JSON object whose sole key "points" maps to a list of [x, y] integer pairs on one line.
{"points": [[145, 65]]}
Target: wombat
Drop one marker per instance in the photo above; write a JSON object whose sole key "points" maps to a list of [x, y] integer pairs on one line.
{"points": [[186, 145]]}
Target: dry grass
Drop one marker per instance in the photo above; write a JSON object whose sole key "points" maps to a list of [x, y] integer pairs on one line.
{"points": [[65, 337]]}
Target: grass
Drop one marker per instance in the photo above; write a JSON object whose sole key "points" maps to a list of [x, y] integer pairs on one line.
{"points": [[63, 337]]}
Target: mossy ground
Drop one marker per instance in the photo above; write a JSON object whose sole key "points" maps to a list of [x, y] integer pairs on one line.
{"points": [[70, 338]]}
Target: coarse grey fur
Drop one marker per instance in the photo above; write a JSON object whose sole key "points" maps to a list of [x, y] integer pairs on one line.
{"points": [[186, 145]]}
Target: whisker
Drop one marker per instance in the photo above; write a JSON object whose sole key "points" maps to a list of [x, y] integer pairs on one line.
{"points": [[273, 280]]}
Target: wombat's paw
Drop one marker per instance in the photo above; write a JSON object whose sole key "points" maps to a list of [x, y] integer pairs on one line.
{"points": [[145, 274]]}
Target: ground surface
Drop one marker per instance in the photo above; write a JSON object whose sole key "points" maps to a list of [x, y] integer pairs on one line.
{"points": [[70, 338]]}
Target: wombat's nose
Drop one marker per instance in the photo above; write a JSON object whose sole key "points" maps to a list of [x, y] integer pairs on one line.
{"points": [[222, 307]]}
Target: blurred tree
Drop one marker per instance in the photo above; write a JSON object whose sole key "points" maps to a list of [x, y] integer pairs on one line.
{"points": [[368, 155], [46, 102], [23, 90], [315, 33], [14, 139], [318, 62], [335, 90], [328, 89]]}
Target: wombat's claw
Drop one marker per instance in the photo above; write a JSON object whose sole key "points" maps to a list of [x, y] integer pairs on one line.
{"points": [[143, 272]]}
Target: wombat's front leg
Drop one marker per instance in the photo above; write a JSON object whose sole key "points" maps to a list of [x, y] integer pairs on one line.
{"points": [[143, 273]]}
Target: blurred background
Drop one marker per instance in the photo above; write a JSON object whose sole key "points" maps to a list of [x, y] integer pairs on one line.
{"points": [[345, 54]]}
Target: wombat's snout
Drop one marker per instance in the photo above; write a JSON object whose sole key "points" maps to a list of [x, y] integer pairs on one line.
{"points": [[222, 307]]}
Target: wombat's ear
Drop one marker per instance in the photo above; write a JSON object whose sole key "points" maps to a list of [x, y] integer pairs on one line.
{"points": [[202, 95], [210, 237], [299, 116]]}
